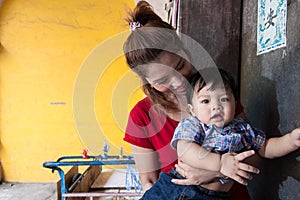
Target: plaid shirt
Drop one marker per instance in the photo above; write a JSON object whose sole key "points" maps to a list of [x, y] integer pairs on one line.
{"points": [[236, 137]]}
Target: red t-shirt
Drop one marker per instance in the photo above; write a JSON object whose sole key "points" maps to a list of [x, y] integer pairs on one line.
{"points": [[149, 129]]}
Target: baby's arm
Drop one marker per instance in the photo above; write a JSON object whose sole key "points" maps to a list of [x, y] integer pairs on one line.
{"points": [[196, 156], [280, 146], [228, 164]]}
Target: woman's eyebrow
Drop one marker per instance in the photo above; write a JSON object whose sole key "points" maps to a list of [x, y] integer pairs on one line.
{"points": [[160, 79], [179, 63]]}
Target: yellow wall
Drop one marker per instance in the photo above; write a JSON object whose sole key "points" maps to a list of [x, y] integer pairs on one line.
{"points": [[45, 45]]}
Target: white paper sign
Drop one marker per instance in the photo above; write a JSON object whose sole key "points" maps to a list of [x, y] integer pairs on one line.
{"points": [[271, 25]]}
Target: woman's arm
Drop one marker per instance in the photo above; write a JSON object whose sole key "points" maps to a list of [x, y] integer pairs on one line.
{"points": [[280, 146], [147, 164]]}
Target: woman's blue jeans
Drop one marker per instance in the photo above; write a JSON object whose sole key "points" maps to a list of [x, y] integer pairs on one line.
{"points": [[165, 189]]}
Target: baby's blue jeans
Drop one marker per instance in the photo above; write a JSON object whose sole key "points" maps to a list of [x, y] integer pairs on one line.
{"points": [[164, 189]]}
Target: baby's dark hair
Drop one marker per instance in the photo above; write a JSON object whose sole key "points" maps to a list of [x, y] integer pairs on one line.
{"points": [[217, 77]]}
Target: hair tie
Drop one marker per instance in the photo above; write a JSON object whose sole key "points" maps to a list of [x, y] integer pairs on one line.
{"points": [[134, 25]]}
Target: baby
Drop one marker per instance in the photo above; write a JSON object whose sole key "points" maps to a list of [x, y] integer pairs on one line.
{"points": [[210, 138]]}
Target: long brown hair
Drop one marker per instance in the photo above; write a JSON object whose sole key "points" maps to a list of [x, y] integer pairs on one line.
{"points": [[146, 43]]}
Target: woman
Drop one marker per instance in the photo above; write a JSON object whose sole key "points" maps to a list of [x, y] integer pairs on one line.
{"points": [[154, 51]]}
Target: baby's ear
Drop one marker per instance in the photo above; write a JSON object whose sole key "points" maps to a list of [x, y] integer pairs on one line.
{"points": [[190, 109]]}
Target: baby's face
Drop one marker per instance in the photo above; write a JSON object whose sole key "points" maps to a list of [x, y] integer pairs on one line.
{"points": [[214, 106]]}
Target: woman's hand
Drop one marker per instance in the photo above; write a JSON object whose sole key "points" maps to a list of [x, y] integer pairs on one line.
{"points": [[193, 176], [232, 167]]}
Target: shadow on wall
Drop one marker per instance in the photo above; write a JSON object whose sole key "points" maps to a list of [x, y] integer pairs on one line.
{"points": [[263, 113]]}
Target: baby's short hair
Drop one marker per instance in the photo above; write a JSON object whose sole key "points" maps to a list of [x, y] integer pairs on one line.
{"points": [[216, 76]]}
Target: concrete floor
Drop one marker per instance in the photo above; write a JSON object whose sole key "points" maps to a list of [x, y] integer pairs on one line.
{"points": [[28, 191], [108, 178]]}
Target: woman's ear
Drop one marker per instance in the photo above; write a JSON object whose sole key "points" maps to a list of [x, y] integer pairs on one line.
{"points": [[190, 109]]}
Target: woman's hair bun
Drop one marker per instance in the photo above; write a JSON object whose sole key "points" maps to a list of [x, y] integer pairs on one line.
{"points": [[143, 13]]}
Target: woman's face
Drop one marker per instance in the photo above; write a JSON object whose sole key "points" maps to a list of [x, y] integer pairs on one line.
{"points": [[169, 73]]}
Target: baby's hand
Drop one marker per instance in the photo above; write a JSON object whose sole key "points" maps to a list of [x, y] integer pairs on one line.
{"points": [[295, 136]]}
